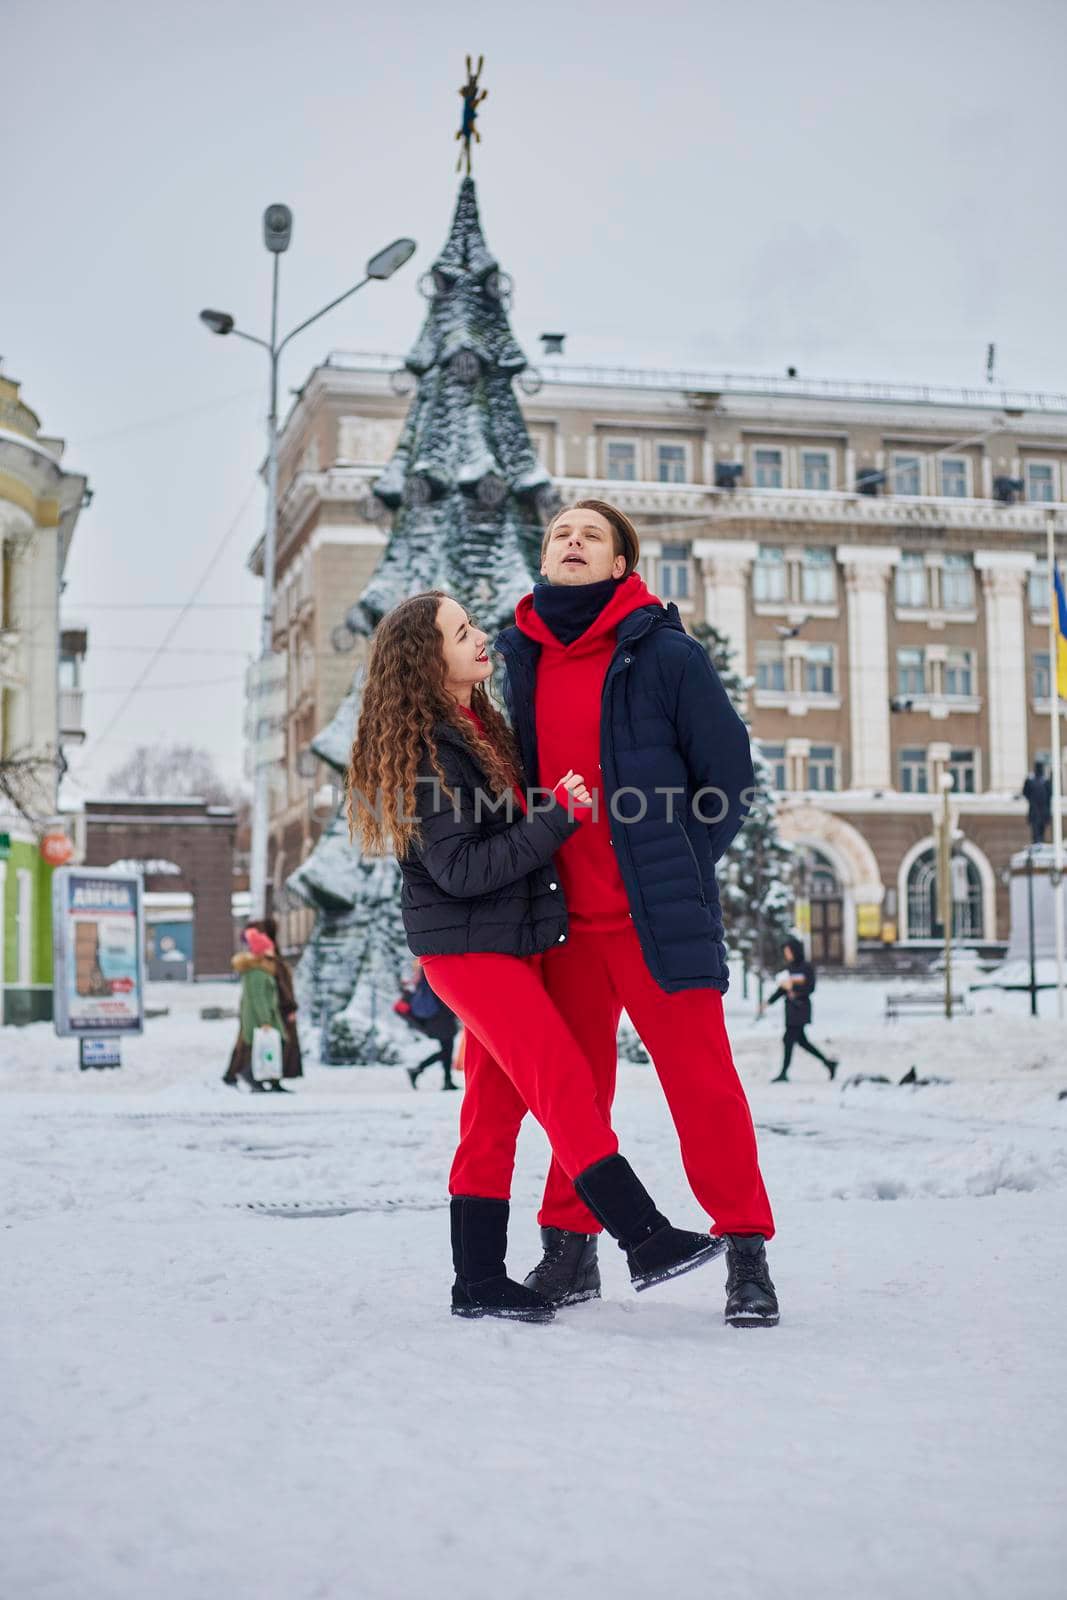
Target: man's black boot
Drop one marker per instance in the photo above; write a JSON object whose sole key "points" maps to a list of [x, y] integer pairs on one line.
{"points": [[482, 1287], [655, 1251], [750, 1298], [568, 1272]]}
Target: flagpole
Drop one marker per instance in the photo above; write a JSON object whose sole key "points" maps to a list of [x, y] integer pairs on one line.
{"points": [[1057, 763]]}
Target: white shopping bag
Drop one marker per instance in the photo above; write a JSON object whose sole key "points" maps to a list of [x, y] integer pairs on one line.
{"points": [[266, 1054]]}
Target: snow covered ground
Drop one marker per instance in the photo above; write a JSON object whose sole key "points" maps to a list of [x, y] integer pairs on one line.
{"points": [[228, 1368]]}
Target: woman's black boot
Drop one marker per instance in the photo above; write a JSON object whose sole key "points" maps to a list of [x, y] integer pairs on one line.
{"points": [[482, 1287], [655, 1251]]}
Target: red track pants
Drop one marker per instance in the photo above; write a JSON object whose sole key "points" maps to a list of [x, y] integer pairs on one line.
{"points": [[519, 1055], [591, 979]]}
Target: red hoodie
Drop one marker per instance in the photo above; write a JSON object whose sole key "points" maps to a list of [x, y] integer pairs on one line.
{"points": [[570, 681]]}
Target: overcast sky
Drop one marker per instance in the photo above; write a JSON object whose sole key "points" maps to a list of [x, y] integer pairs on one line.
{"points": [[860, 190]]}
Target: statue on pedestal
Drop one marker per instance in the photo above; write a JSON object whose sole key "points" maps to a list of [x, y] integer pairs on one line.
{"points": [[1037, 792]]}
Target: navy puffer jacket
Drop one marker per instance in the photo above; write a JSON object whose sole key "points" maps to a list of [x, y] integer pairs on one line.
{"points": [[666, 723], [478, 881]]}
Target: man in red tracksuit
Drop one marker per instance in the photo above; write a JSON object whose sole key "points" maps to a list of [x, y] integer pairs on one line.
{"points": [[603, 679]]}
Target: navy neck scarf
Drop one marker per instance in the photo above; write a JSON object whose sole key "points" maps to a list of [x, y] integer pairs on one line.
{"points": [[570, 608]]}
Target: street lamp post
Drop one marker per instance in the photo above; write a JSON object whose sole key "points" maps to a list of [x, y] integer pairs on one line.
{"points": [[277, 233], [945, 882]]}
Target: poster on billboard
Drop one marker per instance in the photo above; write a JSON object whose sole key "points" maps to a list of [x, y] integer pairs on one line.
{"points": [[98, 929]]}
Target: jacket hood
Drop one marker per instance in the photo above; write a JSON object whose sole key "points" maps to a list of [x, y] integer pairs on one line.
{"points": [[630, 596], [797, 947], [245, 961]]}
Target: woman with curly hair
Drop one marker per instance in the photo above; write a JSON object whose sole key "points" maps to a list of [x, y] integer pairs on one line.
{"points": [[434, 776]]}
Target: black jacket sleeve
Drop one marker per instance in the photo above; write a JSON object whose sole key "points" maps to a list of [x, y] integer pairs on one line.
{"points": [[455, 852], [777, 995], [716, 747]]}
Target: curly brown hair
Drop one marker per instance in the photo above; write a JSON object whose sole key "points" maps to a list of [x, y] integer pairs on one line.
{"points": [[404, 696]]}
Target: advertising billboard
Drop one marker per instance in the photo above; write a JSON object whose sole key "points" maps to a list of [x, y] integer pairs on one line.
{"points": [[98, 929]]}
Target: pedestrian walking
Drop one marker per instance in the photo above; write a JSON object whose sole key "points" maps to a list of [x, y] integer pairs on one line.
{"points": [[256, 966], [599, 673], [423, 1011], [796, 985], [434, 775], [292, 1055]]}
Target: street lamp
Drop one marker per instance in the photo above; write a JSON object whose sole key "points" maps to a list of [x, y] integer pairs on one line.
{"points": [[277, 234]]}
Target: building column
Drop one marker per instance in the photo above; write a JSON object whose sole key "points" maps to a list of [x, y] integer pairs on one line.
{"points": [[867, 569], [1004, 574], [726, 564]]}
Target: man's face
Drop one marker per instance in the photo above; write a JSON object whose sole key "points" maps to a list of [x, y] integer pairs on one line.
{"points": [[581, 549]]}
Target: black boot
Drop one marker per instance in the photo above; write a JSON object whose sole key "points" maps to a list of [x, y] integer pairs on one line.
{"points": [[482, 1287], [567, 1273], [783, 1077], [831, 1065], [750, 1298], [450, 1082], [655, 1251]]}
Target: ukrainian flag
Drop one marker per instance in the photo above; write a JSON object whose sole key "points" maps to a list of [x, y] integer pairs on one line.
{"points": [[1060, 631]]}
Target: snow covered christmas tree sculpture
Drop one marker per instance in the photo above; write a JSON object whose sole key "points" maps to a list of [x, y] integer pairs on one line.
{"points": [[756, 877], [469, 495], [469, 501]]}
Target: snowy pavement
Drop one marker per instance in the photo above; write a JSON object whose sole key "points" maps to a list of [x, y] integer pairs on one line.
{"points": [[229, 1369]]}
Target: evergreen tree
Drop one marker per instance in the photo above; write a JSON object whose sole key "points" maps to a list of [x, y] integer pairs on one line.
{"points": [[756, 876], [468, 493], [468, 498]]}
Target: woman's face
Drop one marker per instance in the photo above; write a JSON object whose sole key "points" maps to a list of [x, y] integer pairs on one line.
{"points": [[790, 952], [463, 647]]}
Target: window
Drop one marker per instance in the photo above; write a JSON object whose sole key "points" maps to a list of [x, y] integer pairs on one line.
{"points": [[1039, 588], [910, 581], [768, 465], [822, 767], [959, 672], [953, 475], [774, 755], [674, 572], [670, 463], [815, 469], [1042, 676], [963, 767], [819, 669], [906, 476], [1040, 482], [768, 573], [957, 583], [621, 460], [924, 906], [770, 667], [911, 672], [913, 773], [817, 575]]}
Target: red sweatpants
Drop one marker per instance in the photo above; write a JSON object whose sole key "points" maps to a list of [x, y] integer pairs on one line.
{"points": [[591, 979], [519, 1056]]}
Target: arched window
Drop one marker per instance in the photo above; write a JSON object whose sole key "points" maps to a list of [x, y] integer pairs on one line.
{"points": [[924, 912]]}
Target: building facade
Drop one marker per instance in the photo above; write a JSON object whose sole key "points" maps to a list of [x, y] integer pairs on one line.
{"points": [[40, 696], [874, 553]]}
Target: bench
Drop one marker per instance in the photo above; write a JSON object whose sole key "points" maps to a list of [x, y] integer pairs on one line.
{"points": [[929, 1002]]}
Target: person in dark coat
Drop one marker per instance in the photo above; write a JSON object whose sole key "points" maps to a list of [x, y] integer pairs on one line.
{"points": [[434, 776], [259, 1008], [1037, 792], [796, 988], [423, 1011], [597, 666]]}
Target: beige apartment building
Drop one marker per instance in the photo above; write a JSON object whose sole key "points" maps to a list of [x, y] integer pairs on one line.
{"points": [[873, 551]]}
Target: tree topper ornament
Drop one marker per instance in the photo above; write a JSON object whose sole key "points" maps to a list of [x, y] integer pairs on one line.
{"points": [[472, 99]]}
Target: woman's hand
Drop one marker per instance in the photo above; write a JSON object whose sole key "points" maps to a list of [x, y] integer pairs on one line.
{"points": [[575, 785]]}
